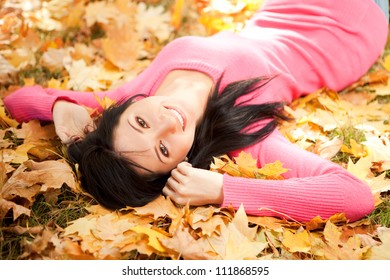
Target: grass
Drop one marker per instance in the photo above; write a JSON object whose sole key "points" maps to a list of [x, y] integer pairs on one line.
{"points": [[381, 214], [70, 206]]}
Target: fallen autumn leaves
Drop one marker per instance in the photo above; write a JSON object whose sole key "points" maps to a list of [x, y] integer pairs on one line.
{"points": [[44, 213]]}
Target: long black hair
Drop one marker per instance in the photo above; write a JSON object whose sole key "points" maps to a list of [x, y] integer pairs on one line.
{"points": [[112, 179]]}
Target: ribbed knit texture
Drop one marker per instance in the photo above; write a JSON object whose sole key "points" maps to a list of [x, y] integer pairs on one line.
{"points": [[308, 44]]}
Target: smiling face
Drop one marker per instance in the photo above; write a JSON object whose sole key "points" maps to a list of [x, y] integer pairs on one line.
{"points": [[156, 133]]}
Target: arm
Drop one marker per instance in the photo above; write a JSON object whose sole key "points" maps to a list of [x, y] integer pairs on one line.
{"points": [[35, 102], [313, 186]]}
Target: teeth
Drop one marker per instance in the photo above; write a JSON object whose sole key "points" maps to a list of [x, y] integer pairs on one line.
{"points": [[178, 116]]}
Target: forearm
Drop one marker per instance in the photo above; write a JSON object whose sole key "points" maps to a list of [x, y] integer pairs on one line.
{"points": [[35, 102], [301, 198]]}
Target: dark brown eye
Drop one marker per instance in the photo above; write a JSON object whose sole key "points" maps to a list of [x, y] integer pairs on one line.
{"points": [[141, 122], [164, 150]]}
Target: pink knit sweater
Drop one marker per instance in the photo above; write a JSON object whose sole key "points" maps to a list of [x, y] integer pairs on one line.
{"points": [[309, 44]]}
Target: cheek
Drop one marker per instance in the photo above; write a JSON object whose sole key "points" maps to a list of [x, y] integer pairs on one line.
{"points": [[182, 147]]}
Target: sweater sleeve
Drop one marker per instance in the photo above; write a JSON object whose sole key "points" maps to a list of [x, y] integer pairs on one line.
{"points": [[35, 102], [312, 187]]}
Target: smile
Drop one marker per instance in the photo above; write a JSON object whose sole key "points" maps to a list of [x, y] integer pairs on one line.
{"points": [[179, 116]]}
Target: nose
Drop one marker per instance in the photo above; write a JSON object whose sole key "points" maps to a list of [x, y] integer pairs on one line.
{"points": [[166, 125]]}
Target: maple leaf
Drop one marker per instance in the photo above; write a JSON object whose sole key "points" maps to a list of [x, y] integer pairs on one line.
{"points": [[32, 178], [361, 168], [3, 116], [357, 150], [298, 242], [273, 170], [245, 166], [94, 14], [337, 249], [32, 132], [154, 237], [381, 252], [7, 71], [187, 247], [236, 240], [53, 59], [18, 210], [154, 20], [83, 77]]}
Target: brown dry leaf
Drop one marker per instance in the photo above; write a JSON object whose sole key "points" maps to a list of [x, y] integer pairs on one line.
{"points": [[210, 226], [272, 223], [37, 249], [206, 219], [236, 240], [32, 132], [187, 247], [318, 223], [32, 178], [160, 207], [337, 249], [18, 210]]}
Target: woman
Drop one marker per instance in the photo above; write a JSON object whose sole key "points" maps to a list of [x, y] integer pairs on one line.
{"points": [[289, 48]]}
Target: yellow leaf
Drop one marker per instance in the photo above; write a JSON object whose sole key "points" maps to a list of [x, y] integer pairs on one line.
{"points": [[82, 226], [5, 118], [224, 164], [298, 242], [246, 164], [57, 84], [381, 252], [361, 168], [387, 62], [357, 150], [176, 14], [240, 221], [105, 102], [21, 153], [273, 170], [154, 237]]}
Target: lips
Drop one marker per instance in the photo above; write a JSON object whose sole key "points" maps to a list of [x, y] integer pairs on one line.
{"points": [[179, 116]]}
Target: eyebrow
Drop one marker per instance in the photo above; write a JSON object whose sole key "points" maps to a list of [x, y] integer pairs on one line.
{"points": [[155, 148]]}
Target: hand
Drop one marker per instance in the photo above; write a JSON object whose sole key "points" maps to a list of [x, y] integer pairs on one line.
{"points": [[194, 186], [71, 121]]}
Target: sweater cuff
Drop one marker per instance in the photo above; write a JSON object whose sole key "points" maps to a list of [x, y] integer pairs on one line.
{"points": [[32, 102]]}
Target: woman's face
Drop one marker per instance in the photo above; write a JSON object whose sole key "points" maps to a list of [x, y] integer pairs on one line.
{"points": [[156, 133]]}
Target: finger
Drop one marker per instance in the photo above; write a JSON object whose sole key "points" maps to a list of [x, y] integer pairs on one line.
{"points": [[172, 184], [64, 136], [167, 191], [89, 127], [184, 167], [178, 176]]}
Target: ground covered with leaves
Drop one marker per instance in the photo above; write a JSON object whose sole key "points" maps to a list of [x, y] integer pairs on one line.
{"points": [[98, 45]]}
